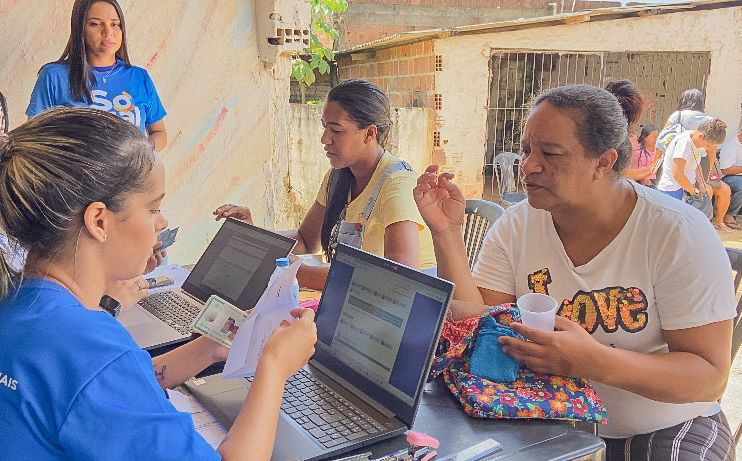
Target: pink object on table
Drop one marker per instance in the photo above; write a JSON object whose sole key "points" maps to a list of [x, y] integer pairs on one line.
{"points": [[310, 304], [419, 439]]}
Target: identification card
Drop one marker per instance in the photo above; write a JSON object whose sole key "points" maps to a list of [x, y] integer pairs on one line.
{"points": [[219, 320], [167, 237]]}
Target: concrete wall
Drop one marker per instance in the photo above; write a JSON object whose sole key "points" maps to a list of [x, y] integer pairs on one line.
{"points": [[368, 20], [463, 124], [309, 163], [227, 114]]}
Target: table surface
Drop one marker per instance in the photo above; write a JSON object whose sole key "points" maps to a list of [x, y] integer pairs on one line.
{"points": [[440, 416]]}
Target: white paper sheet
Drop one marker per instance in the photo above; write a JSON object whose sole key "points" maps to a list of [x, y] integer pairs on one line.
{"points": [[274, 306], [206, 424], [174, 271]]}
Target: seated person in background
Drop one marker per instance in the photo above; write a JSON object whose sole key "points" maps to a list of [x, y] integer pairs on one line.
{"points": [[78, 386], [365, 199], [681, 166], [722, 193], [690, 115], [643, 156], [643, 281], [730, 162]]}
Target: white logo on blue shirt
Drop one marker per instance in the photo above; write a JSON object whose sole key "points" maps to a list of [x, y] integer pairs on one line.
{"points": [[8, 381], [121, 105]]}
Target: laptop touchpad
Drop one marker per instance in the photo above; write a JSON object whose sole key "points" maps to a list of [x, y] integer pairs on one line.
{"points": [[135, 316]]}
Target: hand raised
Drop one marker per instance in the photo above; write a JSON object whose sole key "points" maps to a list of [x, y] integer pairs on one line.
{"points": [[440, 201]]}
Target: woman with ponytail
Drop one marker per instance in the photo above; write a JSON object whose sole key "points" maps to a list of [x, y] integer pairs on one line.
{"points": [[365, 200]]}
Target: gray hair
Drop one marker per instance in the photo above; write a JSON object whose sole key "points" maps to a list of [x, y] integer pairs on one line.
{"points": [[599, 120]]}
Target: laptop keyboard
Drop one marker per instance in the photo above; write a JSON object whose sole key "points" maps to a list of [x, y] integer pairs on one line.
{"points": [[323, 413], [172, 309]]}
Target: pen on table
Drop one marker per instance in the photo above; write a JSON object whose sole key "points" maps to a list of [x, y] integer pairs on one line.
{"points": [[398, 455]]}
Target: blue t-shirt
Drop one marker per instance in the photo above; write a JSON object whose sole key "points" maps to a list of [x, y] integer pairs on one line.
{"points": [[127, 92], [75, 386]]}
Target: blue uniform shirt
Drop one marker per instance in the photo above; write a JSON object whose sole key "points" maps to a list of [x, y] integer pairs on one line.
{"points": [[127, 92], [75, 386]]}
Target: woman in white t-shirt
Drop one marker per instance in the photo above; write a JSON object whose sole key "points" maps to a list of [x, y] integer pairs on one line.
{"points": [[643, 281]]}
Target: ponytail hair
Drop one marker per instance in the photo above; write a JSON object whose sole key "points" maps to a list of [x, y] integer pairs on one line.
{"points": [[55, 165], [629, 97], [366, 104]]}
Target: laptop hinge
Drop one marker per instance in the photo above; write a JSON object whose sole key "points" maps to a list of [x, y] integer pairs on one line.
{"points": [[357, 392], [191, 297]]}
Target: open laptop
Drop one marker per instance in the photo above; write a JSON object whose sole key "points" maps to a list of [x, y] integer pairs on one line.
{"points": [[236, 266], [378, 324]]}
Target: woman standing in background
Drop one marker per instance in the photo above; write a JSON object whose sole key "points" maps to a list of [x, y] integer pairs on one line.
{"points": [[95, 71]]}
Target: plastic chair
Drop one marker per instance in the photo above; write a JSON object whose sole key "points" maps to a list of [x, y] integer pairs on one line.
{"points": [[507, 171], [480, 214], [735, 258]]}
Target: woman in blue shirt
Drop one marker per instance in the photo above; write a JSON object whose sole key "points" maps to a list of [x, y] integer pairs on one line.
{"points": [[95, 71], [84, 191]]}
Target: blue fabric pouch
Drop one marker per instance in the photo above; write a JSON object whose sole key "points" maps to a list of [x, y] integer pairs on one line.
{"points": [[487, 358]]}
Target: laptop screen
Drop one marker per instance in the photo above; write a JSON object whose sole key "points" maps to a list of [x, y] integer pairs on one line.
{"points": [[377, 327], [237, 264]]}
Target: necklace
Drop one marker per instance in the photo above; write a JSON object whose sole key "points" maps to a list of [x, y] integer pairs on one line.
{"points": [[105, 77]]}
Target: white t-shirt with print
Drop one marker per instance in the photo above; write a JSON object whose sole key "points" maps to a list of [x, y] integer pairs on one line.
{"points": [[680, 147], [666, 269]]}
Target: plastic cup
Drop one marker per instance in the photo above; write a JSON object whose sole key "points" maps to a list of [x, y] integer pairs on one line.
{"points": [[538, 311]]}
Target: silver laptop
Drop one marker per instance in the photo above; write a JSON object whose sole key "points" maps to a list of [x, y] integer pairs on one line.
{"points": [[236, 266], [377, 327]]}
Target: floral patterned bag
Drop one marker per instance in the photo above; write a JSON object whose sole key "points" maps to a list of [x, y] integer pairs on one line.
{"points": [[531, 395]]}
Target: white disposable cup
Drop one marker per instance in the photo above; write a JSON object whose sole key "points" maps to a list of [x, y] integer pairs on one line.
{"points": [[538, 311]]}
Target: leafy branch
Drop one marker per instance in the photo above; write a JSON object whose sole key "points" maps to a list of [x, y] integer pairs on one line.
{"points": [[325, 14]]}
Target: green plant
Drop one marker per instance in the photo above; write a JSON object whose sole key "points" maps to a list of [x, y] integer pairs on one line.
{"points": [[324, 15]]}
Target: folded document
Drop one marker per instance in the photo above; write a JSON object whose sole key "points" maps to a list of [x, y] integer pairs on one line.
{"points": [[274, 306]]}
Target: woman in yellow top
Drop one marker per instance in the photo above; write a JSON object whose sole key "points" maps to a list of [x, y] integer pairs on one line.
{"points": [[366, 198]]}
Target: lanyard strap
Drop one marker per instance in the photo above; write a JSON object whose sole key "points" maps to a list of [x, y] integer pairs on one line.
{"points": [[393, 168]]}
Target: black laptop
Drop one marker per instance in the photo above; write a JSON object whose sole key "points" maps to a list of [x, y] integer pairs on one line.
{"points": [[236, 266], [378, 324]]}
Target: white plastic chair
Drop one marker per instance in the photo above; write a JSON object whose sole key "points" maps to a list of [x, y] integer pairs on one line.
{"points": [[480, 215], [507, 171]]}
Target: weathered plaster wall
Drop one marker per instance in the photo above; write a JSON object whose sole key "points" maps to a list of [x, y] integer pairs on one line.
{"points": [[408, 139], [368, 20], [227, 113], [465, 59]]}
